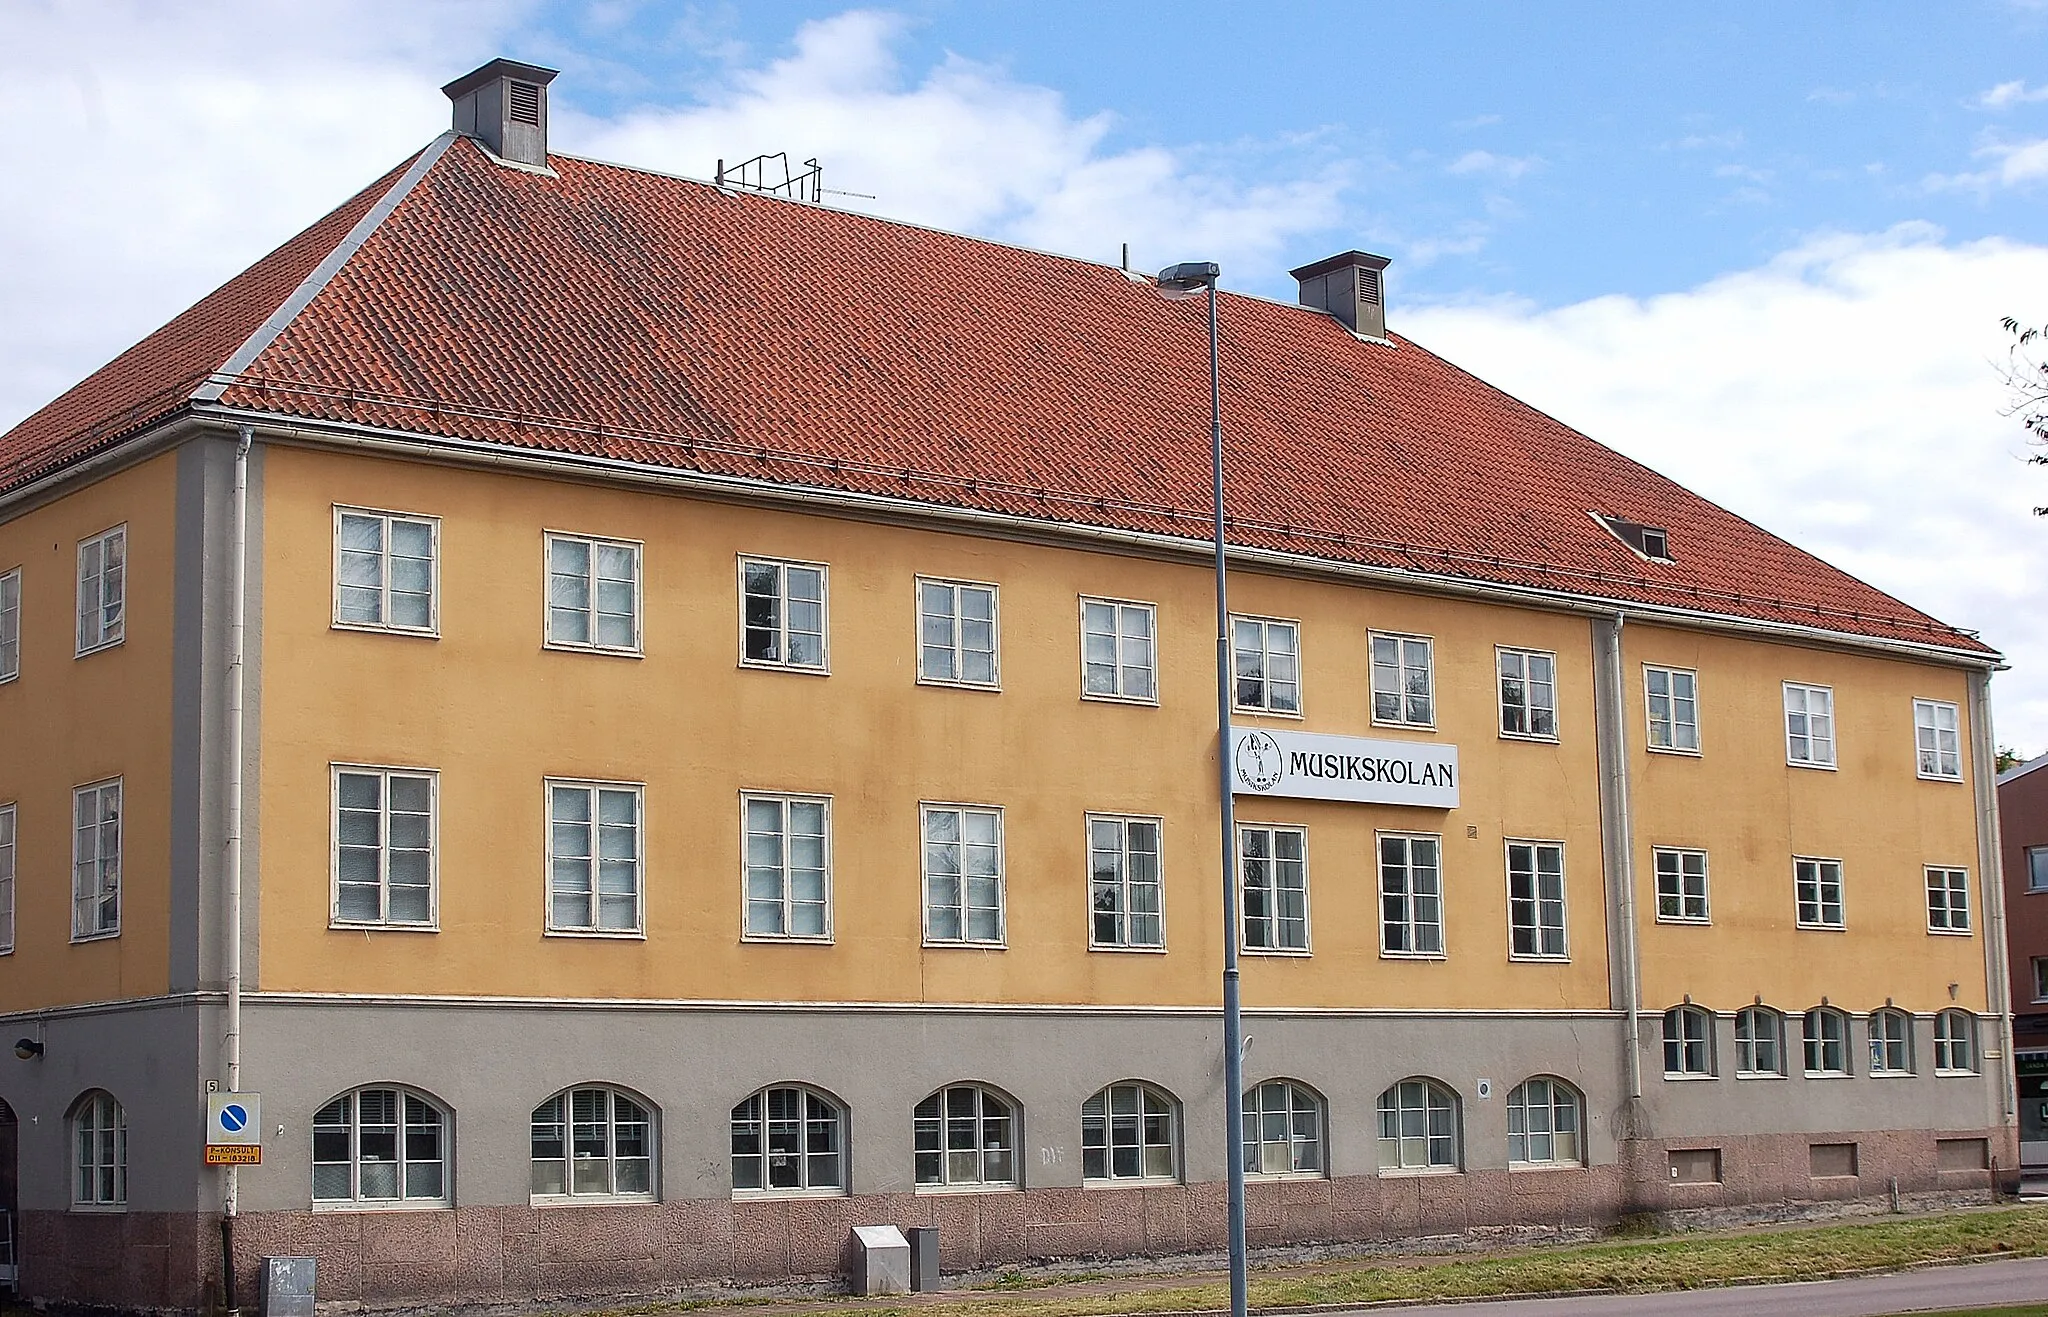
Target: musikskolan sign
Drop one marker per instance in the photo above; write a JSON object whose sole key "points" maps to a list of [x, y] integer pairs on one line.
{"points": [[1309, 766]]}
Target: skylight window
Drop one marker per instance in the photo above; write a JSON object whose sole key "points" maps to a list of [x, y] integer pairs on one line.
{"points": [[1652, 542]]}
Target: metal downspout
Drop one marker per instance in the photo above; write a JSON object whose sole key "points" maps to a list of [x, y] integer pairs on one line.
{"points": [[1613, 724], [232, 861], [1991, 881]]}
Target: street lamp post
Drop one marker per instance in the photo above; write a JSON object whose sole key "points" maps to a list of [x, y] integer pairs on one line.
{"points": [[1188, 280]]}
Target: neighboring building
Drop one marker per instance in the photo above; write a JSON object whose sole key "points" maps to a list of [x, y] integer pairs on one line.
{"points": [[2023, 827], [728, 742]]}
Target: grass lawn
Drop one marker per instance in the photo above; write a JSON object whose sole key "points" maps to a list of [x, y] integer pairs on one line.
{"points": [[1667, 1262]]}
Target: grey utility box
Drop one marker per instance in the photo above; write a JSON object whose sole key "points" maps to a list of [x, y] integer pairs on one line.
{"points": [[287, 1287], [881, 1261], [924, 1257]]}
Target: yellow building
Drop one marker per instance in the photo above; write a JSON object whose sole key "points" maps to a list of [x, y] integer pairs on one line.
{"points": [[700, 706]]}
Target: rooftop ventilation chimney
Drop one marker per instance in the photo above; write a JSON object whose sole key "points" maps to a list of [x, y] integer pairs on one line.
{"points": [[504, 105], [1348, 286]]}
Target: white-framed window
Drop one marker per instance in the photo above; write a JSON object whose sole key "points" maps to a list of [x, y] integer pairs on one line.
{"points": [[6, 878], [1891, 1042], [1418, 1127], [1283, 1131], [956, 634], [788, 864], [1528, 693], [1938, 740], [387, 568], [99, 1161], [1130, 1132], [965, 1137], [1536, 901], [1688, 1043], [782, 614], [1411, 894], [2041, 978], [1543, 1123], [1948, 900], [1759, 1043], [1119, 651], [384, 846], [963, 874], [1955, 1043], [1817, 885], [1681, 885], [1825, 1032], [593, 1144], [1672, 696], [1809, 725], [1266, 653], [1273, 862], [10, 624], [788, 1140], [1125, 901], [2037, 868], [596, 857], [380, 1147], [102, 589], [96, 860], [594, 593], [1403, 678]]}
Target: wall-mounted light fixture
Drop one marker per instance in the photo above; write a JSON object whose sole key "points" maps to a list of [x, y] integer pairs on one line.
{"points": [[28, 1049]]}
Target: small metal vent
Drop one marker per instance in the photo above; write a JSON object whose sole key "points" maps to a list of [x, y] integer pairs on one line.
{"points": [[1369, 286], [525, 103]]}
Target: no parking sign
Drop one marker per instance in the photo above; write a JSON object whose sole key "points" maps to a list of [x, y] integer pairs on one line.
{"points": [[234, 1129]]}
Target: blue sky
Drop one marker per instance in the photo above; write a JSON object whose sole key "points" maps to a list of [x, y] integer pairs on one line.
{"points": [[1761, 247]]}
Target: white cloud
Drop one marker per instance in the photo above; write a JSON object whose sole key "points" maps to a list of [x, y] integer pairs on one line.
{"points": [[1493, 166], [2016, 164], [1842, 396], [2011, 93]]}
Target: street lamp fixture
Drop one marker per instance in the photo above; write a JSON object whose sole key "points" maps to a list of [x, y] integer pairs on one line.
{"points": [[1176, 282]]}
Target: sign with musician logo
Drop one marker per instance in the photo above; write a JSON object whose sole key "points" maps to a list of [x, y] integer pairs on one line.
{"points": [[1310, 766]]}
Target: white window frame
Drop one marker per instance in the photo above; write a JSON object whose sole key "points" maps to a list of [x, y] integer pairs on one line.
{"points": [[1563, 1097], [79, 900], [782, 566], [1267, 626], [1145, 1144], [1118, 668], [1528, 706], [1401, 640], [594, 790], [97, 1115], [1538, 901], [591, 544], [1671, 698], [1686, 1043], [1297, 1100], [783, 800], [994, 813], [565, 1103], [1822, 864], [1679, 855], [384, 624], [1270, 864], [1746, 1040], [1124, 910], [384, 773], [1948, 897], [985, 1133], [8, 838], [404, 1202], [1932, 730], [1805, 711], [1814, 1046], [2037, 868], [805, 1122], [10, 625], [956, 647], [1400, 1138], [1409, 923], [2040, 978], [1946, 1041], [107, 611], [1876, 1026]]}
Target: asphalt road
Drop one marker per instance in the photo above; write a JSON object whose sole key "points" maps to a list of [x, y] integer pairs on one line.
{"points": [[1934, 1289]]}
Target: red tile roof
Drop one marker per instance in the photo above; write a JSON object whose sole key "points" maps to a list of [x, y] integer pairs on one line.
{"points": [[615, 313]]}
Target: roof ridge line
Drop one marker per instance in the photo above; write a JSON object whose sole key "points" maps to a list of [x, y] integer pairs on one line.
{"points": [[244, 356]]}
